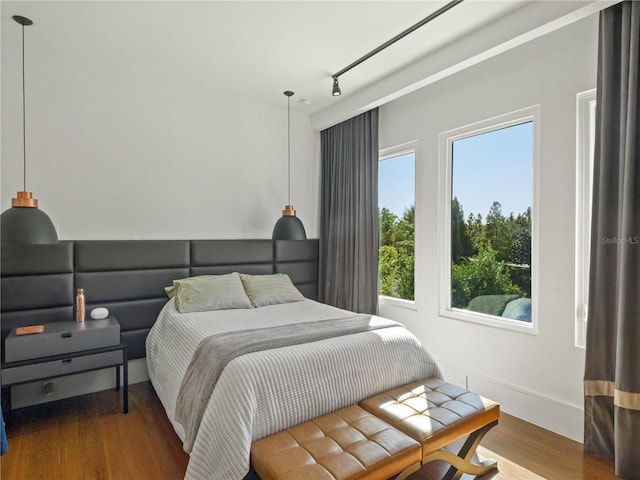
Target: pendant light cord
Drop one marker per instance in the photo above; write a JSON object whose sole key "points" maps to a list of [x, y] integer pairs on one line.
{"points": [[24, 124], [289, 146]]}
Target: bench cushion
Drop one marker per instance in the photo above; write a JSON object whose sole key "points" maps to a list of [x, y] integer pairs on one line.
{"points": [[433, 412], [347, 444]]}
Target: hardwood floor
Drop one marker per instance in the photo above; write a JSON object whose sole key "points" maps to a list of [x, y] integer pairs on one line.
{"points": [[88, 437]]}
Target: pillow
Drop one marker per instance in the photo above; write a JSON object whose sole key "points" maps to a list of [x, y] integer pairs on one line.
{"points": [[208, 292], [518, 309], [270, 289], [490, 304]]}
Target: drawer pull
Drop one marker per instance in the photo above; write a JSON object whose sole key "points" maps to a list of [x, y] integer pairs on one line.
{"points": [[66, 335], [67, 361]]}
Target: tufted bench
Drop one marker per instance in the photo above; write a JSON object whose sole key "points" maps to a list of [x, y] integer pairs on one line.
{"points": [[392, 433], [350, 443], [436, 414]]}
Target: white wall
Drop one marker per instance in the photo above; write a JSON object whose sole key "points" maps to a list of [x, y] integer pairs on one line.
{"points": [[119, 149], [538, 378]]}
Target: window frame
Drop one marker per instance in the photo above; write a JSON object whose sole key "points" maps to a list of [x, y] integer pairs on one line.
{"points": [[386, 154], [446, 140], [585, 144]]}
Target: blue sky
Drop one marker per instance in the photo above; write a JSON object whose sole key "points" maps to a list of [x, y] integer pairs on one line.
{"points": [[396, 183], [495, 166]]}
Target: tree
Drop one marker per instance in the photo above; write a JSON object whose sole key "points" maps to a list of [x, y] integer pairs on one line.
{"points": [[522, 247], [396, 257], [497, 235], [460, 242], [483, 274], [475, 228], [387, 221], [406, 280], [387, 270]]}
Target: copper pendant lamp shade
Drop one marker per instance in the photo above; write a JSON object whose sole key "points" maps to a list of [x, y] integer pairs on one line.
{"points": [[24, 223], [289, 227]]}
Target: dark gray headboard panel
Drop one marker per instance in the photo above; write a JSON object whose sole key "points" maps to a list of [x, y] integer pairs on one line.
{"points": [[36, 285], [299, 260], [216, 257], [128, 277]]}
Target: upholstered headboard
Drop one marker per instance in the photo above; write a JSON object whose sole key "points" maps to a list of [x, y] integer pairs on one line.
{"points": [[128, 277]]}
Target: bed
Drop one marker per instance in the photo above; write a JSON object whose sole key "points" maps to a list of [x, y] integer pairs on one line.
{"points": [[258, 393], [263, 392]]}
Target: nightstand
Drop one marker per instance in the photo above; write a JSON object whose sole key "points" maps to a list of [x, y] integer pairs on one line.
{"points": [[65, 348]]}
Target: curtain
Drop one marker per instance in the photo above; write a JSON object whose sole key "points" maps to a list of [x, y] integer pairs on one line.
{"points": [[612, 369], [349, 214]]}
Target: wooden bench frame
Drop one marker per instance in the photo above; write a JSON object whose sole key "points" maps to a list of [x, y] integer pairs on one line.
{"points": [[460, 463]]}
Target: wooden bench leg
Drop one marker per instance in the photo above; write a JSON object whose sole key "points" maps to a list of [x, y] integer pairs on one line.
{"points": [[462, 463], [408, 471]]}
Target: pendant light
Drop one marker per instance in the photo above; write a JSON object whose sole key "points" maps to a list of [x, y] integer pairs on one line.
{"points": [[289, 227], [24, 222]]}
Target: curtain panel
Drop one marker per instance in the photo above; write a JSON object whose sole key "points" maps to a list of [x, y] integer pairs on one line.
{"points": [[349, 231], [612, 366]]}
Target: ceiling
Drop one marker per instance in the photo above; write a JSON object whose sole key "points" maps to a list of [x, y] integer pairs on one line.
{"points": [[254, 49]]}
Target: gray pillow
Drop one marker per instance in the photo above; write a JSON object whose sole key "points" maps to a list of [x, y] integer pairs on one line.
{"points": [[518, 309], [270, 289], [208, 292], [490, 304]]}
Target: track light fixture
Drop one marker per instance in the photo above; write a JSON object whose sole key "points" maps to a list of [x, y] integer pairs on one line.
{"points": [[336, 88]]}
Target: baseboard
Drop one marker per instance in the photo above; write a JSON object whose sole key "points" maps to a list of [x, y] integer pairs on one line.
{"points": [[545, 411], [73, 385]]}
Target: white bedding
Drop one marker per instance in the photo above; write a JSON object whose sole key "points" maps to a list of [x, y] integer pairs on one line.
{"points": [[264, 392]]}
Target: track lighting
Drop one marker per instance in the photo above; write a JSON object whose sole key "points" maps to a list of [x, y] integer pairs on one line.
{"points": [[336, 88]]}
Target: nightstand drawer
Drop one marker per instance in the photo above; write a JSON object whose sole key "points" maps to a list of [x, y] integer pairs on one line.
{"points": [[62, 337], [55, 368]]}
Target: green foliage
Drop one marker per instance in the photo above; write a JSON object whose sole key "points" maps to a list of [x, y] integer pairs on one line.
{"points": [[497, 234], [387, 268], [396, 259], [387, 221], [489, 257], [461, 246], [483, 274], [474, 230]]}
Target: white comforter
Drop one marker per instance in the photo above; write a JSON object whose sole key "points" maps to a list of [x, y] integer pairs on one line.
{"points": [[264, 392]]}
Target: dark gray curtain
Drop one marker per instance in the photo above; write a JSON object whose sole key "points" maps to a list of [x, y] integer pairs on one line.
{"points": [[612, 373], [349, 214]]}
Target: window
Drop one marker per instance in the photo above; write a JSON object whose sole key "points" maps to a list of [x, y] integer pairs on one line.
{"points": [[585, 132], [487, 185], [396, 211]]}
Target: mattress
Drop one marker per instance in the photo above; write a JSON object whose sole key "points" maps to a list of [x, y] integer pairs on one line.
{"points": [[263, 392]]}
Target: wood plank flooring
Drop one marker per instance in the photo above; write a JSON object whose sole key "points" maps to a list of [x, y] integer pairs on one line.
{"points": [[88, 438]]}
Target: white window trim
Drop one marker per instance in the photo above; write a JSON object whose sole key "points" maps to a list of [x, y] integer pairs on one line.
{"points": [[446, 139], [397, 150], [585, 132], [385, 154], [399, 302]]}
